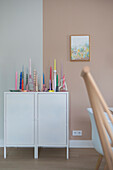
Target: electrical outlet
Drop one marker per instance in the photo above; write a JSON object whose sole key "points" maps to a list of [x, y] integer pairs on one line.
{"points": [[77, 132]]}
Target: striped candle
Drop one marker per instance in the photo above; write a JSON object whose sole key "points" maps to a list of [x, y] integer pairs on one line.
{"points": [[63, 81]]}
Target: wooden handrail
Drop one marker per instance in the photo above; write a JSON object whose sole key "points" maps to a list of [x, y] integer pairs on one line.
{"points": [[99, 106]]}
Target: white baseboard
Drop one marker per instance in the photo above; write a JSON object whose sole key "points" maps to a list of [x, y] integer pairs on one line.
{"points": [[72, 144], [81, 144]]}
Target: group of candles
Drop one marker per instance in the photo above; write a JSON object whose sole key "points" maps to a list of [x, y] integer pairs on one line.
{"points": [[53, 85], [21, 83], [31, 84]]}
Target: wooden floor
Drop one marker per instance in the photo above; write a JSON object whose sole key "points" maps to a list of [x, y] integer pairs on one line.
{"points": [[49, 159]]}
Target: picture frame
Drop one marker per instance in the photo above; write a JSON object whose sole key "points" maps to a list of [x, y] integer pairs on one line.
{"points": [[79, 47]]}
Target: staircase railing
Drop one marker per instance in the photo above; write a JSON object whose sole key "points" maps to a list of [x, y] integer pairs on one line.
{"points": [[99, 106]]}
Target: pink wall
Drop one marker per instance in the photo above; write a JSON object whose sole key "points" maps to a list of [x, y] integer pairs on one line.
{"points": [[63, 18]]}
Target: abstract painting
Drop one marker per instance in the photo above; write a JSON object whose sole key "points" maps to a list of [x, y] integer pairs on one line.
{"points": [[79, 47]]}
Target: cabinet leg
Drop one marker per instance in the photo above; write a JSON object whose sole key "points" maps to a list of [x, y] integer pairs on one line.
{"points": [[67, 152], [4, 152], [36, 152]]}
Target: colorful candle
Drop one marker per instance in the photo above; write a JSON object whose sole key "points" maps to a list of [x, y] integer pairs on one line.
{"points": [[50, 73], [22, 84], [57, 83], [23, 75], [20, 80], [49, 84], [54, 74], [30, 79], [36, 82], [63, 81], [22, 72], [41, 82], [57, 80], [16, 81], [26, 79], [43, 79]]}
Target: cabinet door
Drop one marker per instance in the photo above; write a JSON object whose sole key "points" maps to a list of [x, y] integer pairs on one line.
{"points": [[19, 117], [52, 119]]}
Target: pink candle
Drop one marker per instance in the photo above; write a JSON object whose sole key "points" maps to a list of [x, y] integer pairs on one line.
{"points": [[16, 81], [61, 71], [51, 73]]}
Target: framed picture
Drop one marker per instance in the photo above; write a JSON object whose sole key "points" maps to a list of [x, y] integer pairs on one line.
{"points": [[79, 47]]}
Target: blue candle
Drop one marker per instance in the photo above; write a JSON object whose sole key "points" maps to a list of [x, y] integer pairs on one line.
{"points": [[20, 80]]}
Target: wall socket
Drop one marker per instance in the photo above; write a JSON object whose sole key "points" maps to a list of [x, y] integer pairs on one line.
{"points": [[77, 132]]}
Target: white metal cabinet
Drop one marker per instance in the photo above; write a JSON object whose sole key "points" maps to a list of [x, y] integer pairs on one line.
{"points": [[19, 119], [52, 119], [36, 119]]}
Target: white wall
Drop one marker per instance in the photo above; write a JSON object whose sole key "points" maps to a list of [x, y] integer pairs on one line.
{"points": [[21, 38]]}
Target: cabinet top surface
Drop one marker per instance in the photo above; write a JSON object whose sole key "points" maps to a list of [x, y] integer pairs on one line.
{"points": [[36, 92]]}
